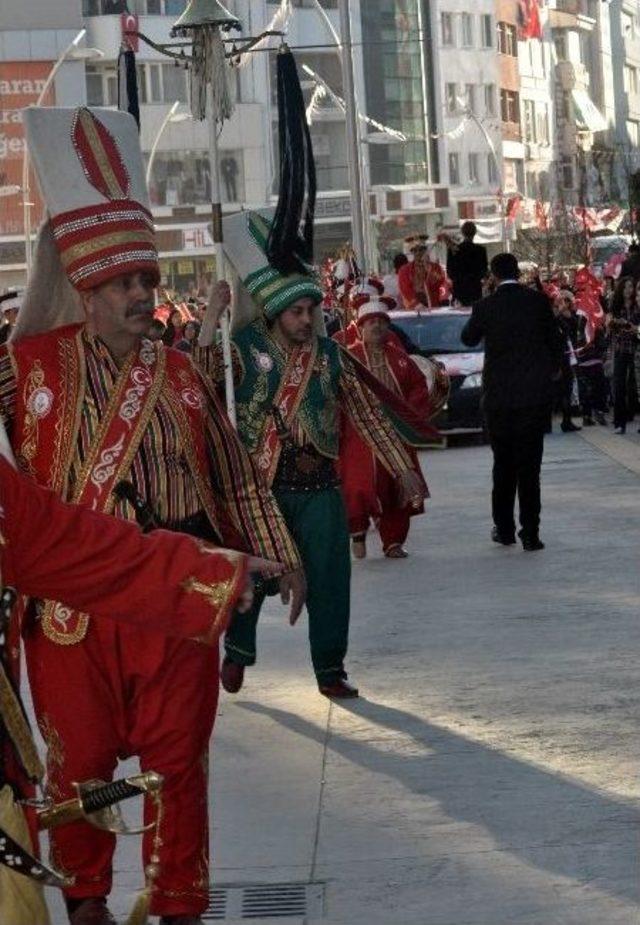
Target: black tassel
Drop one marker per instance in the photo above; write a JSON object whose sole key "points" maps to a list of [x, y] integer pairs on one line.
{"points": [[128, 84], [290, 243]]}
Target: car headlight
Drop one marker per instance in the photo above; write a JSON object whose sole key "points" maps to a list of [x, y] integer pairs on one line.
{"points": [[474, 381]]}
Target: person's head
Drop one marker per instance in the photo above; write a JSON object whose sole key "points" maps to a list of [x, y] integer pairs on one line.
{"points": [[623, 294], [634, 248], [121, 307], [294, 325], [156, 330], [176, 318], [191, 331], [374, 329], [420, 255], [503, 267], [399, 261], [565, 303], [9, 315], [468, 231]]}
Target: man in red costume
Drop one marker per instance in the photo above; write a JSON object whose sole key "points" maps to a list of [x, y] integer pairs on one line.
{"points": [[368, 490], [90, 404], [421, 281]]}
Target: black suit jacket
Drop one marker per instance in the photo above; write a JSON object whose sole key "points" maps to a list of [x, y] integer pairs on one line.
{"points": [[466, 267], [523, 348]]}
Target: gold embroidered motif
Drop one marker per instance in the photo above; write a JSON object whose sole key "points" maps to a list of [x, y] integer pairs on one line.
{"points": [[29, 448], [218, 595], [55, 755]]}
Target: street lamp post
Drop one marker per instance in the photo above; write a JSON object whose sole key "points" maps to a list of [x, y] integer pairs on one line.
{"points": [[354, 154], [71, 52], [470, 114]]}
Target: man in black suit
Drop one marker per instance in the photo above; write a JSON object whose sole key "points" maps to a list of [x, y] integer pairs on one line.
{"points": [[467, 266], [523, 352]]}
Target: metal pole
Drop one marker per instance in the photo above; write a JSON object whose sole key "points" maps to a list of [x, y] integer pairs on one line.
{"points": [[216, 226], [353, 134]]}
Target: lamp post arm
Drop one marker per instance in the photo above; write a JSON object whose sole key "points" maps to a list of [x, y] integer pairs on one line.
{"points": [[470, 114], [156, 140], [56, 67]]}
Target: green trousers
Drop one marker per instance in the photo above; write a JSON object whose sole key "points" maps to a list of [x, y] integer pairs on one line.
{"points": [[317, 522]]}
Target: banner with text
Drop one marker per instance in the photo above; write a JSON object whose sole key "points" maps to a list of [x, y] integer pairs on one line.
{"points": [[21, 83]]}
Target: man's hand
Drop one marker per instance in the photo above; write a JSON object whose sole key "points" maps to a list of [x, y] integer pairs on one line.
{"points": [[265, 567], [412, 490], [219, 302], [245, 601], [293, 587]]}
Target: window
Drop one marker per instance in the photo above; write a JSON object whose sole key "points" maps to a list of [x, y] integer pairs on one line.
{"points": [[470, 96], [174, 84], [542, 123], [509, 106], [451, 93], [454, 170], [95, 95], [102, 86], [154, 83], [492, 169], [628, 24], [567, 173], [530, 122], [490, 99], [486, 30], [507, 39], [630, 80], [560, 44], [474, 169], [466, 24], [446, 24]]}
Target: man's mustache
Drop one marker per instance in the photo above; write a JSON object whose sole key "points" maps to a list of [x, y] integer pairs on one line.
{"points": [[141, 308]]}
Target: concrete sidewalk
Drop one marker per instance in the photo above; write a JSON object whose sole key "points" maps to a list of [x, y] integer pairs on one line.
{"points": [[489, 773]]}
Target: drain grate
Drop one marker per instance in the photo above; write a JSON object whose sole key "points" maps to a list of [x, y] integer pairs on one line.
{"points": [[265, 901]]}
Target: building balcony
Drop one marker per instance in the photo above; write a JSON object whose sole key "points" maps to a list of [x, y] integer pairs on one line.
{"points": [[559, 19]]}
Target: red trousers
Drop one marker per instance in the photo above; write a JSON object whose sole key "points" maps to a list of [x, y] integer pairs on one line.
{"points": [[118, 693], [393, 520]]}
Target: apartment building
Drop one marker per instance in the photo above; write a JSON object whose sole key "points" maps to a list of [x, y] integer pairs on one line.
{"points": [[470, 100]]}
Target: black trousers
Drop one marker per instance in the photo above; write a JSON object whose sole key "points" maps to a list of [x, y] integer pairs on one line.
{"points": [[517, 441], [623, 371]]}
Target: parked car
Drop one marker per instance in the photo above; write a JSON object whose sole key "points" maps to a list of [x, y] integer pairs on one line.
{"points": [[436, 334]]}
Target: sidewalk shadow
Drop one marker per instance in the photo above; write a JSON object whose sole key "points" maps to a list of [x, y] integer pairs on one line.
{"points": [[552, 823]]}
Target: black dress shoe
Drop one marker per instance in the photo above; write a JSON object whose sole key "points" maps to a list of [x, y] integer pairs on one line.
{"points": [[92, 911], [340, 689], [531, 542], [231, 676], [504, 539], [181, 920]]}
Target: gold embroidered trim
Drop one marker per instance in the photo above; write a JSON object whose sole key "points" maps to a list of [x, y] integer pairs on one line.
{"points": [[18, 729], [50, 607]]}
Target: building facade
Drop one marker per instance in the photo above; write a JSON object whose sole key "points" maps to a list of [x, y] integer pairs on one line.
{"points": [[461, 117]]}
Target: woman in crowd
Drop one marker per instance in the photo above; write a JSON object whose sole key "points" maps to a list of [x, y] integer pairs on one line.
{"points": [[189, 337], [622, 325], [174, 331]]}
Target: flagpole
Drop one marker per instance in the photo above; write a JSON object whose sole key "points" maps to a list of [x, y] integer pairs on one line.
{"points": [[354, 155]]}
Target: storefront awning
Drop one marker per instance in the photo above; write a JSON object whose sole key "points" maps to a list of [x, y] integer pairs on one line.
{"points": [[587, 113]]}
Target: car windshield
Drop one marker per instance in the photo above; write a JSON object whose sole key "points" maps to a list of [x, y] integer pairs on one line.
{"points": [[436, 333], [604, 252]]}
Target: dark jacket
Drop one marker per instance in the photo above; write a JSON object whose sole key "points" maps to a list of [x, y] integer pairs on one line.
{"points": [[466, 268], [523, 348]]}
